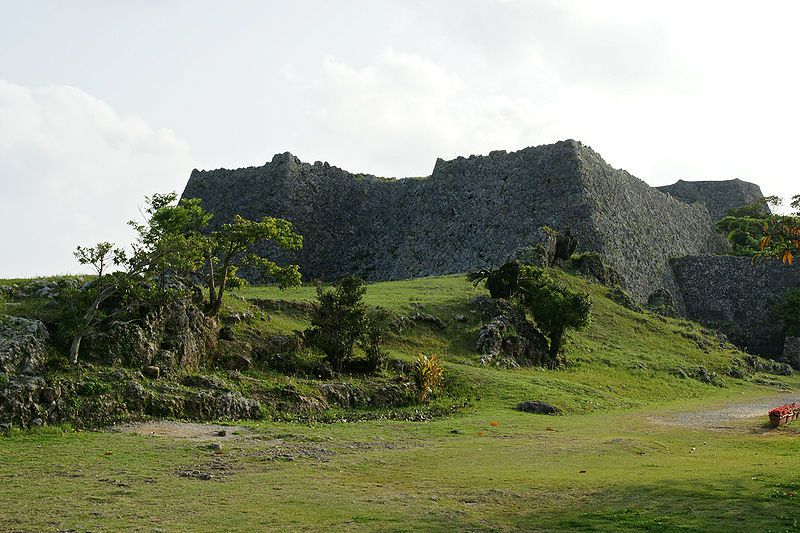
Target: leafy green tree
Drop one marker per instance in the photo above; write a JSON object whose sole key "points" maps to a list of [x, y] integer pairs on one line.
{"points": [[217, 254], [743, 226], [554, 307], [375, 330], [174, 240]]}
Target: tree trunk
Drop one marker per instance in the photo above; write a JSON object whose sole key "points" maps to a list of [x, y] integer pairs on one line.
{"points": [[555, 347], [74, 348]]}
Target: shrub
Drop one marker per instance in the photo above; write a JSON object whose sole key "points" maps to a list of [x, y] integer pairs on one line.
{"points": [[376, 326], [339, 320], [428, 375]]}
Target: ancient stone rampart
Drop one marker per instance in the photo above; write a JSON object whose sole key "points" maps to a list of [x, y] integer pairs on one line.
{"points": [[470, 213], [733, 294], [717, 196]]}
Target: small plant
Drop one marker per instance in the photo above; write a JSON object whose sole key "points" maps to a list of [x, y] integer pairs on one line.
{"points": [[428, 375]]}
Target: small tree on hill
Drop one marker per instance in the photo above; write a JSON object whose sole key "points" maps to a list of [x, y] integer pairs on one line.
{"points": [[554, 307]]}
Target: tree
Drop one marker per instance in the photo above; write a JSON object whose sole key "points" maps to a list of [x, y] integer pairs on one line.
{"points": [[216, 255], [554, 307], [338, 322], [743, 226], [173, 241]]}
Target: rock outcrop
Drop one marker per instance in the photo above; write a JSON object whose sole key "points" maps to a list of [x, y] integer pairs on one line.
{"points": [[470, 213]]}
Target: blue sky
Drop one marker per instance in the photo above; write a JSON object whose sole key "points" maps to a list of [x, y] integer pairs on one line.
{"points": [[102, 102]]}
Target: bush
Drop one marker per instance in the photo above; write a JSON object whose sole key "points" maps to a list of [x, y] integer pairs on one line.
{"points": [[342, 321], [376, 326], [339, 320], [428, 375]]}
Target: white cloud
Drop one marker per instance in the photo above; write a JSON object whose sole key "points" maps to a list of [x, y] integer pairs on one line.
{"points": [[73, 171]]}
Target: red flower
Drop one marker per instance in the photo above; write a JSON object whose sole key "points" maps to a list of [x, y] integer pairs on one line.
{"points": [[783, 410]]}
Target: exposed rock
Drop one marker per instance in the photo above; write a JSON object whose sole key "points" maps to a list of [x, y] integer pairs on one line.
{"points": [[592, 265], [22, 345], [235, 355], [180, 329], [490, 339], [791, 351], [660, 301], [426, 318], [537, 407]]}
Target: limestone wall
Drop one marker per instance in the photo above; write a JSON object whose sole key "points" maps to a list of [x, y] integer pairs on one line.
{"points": [[731, 293], [716, 196], [470, 213]]}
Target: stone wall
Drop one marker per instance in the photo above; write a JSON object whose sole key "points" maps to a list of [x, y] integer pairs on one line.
{"points": [[717, 196], [733, 294], [470, 213]]}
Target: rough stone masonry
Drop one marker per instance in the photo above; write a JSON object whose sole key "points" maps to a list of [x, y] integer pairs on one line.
{"points": [[470, 213]]}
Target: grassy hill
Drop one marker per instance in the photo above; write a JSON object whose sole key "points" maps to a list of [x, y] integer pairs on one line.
{"points": [[624, 458]]}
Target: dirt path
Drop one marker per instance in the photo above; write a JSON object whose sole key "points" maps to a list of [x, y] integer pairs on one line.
{"points": [[184, 430], [729, 416]]}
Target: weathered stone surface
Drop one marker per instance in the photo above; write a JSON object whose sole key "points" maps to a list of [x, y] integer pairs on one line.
{"points": [[717, 196], [791, 351], [173, 336], [470, 213], [736, 296], [22, 345]]}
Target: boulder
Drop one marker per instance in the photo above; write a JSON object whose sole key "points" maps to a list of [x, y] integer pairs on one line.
{"points": [[537, 407], [22, 345]]}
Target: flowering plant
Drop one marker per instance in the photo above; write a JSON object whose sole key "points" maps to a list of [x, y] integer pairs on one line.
{"points": [[783, 410]]}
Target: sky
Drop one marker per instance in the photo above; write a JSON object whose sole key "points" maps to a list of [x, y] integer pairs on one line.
{"points": [[103, 102]]}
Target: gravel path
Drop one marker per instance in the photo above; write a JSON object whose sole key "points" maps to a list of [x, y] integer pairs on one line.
{"points": [[726, 416]]}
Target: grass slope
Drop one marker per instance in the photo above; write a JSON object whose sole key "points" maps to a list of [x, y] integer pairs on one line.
{"points": [[609, 466]]}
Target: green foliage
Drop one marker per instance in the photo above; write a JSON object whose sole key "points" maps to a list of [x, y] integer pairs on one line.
{"points": [[752, 231], [788, 312], [180, 232], [502, 282], [375, 330], [554, 307], [338, 322], [428, 374], [342, 322]]}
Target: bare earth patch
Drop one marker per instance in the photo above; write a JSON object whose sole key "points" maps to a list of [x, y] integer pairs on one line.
{"points": [[727, 417], [184, 430]]}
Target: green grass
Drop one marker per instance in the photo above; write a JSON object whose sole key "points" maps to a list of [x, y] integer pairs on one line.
{"points": [[600, 472], [608, 466]]}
